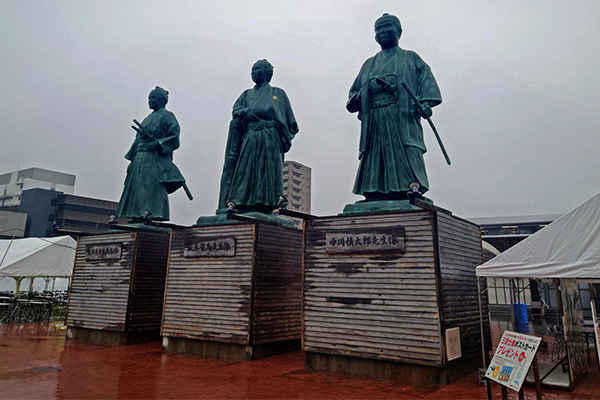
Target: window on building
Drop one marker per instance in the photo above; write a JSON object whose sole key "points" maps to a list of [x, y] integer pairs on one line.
{"points": [[548, 294], [499, 291]]}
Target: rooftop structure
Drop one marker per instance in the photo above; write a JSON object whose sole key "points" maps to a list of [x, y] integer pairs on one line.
{"points": [[13, 184], [504, 232], [71, 213]]}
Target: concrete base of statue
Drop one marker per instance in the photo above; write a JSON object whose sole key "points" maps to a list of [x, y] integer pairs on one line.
{"points": [[117, 288], [234, 290], [392, 294]]}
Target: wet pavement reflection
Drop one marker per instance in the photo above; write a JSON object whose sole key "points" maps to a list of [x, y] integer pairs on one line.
{"points": [[36, 362]]}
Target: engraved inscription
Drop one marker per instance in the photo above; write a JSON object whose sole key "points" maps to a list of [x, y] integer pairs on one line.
{"points": [[209, 247], [373, 241], [104, 251]]}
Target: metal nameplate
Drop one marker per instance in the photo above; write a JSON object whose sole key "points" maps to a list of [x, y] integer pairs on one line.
{"points": [[368, 241], [104, 251], [209, 247]]}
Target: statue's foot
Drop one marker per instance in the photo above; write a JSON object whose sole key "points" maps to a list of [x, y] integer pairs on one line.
{"points": [[413, 191], [231, 208], [283, 202]]}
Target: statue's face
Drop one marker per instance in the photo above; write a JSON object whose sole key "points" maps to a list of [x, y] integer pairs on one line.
{"points": [[155, 100], [259, 74], [386, 33]]}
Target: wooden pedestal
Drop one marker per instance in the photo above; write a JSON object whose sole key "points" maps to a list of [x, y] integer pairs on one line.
{"points": [[383, 291], [117, 289], [234, 291]]}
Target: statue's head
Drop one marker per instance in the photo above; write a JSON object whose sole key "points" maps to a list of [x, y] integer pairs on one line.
{"points": [[388, 30], [158, 98], [262, 71]]}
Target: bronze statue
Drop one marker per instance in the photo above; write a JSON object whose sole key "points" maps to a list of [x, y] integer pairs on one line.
{"points": [[152, 175], [260, 133], [391, 140]]}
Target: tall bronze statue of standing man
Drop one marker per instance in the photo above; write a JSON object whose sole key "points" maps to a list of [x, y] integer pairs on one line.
{"points": [[391, 140], [152, 175], [260, 133]]}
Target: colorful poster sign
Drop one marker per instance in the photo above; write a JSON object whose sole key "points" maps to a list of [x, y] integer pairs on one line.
{"points": [[512, 359]]}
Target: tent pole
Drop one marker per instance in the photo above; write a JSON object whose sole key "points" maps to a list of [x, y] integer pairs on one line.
{"points": [[518, 297], [7, 248], [481, 323], [512, 308], [488, 384], [18, 285], [2, 261]]}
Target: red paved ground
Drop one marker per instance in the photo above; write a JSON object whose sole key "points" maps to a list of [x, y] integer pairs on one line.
{"points": [[36, 362]]}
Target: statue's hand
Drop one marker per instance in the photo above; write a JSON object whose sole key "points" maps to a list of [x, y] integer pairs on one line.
{"points": [[387, 86], [427, 111], [153, 145], [244, 113], [391, 88], [237, 124]]}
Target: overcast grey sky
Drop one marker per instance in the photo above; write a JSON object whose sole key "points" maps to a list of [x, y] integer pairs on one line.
{"points": [[519, 81]]}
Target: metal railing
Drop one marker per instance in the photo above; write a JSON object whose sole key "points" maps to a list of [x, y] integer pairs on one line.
{"points": [[35, 307]]}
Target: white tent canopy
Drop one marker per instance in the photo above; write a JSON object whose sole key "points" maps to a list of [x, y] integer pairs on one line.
{"points": [[37, 257], [569, 247]]}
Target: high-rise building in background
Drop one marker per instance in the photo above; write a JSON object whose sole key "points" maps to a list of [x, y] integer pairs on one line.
{"points": [[13, 184], [296, 186]]}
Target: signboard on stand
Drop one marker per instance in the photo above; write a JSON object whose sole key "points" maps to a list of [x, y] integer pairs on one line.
{"points": [[512, 359]]}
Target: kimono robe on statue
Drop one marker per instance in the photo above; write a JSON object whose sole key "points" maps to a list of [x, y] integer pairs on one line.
{"points": [[391, 140], [152, 175], [253, 169]]}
